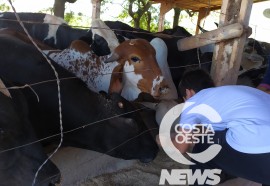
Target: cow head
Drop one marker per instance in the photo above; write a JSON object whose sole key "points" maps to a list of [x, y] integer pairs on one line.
{"points": [[133, 138], [137, 62]]}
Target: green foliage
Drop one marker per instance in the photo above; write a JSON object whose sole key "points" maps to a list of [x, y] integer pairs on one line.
{"points": [[69, 17], [104, 5], [153, 22], [188, 22], [76, 19], [154, 10], [167, 25], [104, 2], [124, 14], [125, 17], [4, 7]]}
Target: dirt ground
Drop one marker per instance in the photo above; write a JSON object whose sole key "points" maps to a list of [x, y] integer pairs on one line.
{"points": [[88, 168]]}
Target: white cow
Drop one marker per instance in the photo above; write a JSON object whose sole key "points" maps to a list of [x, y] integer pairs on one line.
{"points": [[161, 55], [168, 100]]}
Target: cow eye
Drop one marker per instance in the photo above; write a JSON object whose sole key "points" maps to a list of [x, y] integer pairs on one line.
{"points": [[120, 105], [135, 59]]}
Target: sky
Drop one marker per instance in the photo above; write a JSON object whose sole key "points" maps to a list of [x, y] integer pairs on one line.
{"points": [[259, 24]]}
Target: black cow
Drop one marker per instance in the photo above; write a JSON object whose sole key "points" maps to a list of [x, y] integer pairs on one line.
{"points": [[50, 29], [255, 75], [123, 137], [18, 166], [65, 35], [178, 59], [53, 31]]}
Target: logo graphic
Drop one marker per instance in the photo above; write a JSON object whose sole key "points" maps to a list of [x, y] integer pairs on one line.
{"points": [[165, 131]]}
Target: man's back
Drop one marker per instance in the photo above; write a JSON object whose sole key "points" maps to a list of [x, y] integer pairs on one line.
{"points": [[244, 111]]}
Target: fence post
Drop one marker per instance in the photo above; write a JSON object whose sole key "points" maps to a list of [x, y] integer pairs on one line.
{"points": [[228, 54]]}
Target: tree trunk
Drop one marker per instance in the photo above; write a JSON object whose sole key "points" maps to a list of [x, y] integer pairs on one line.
{"points": [[136, 22], [59, 7], [149, 18], [136, 16], [96, 9], [177, 12]]}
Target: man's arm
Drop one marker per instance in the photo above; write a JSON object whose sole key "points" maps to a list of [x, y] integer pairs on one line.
{"points": [[182, 142]]}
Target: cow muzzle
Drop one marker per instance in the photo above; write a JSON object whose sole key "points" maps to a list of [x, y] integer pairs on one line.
{"points": [[159, 90], [56, 180]]}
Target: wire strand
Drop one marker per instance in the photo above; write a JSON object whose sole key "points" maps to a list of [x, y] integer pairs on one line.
{"points": [[58, 87], [69, 131]]}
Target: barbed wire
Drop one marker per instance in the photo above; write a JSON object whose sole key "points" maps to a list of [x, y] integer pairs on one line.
{"points": [[128, 31], [58, 89], [138, 32], [103, 154], [58, 80], [184, 66], [69, 131]]}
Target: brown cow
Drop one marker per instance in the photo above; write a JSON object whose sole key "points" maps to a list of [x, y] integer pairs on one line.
{"points": [[132, 68]]}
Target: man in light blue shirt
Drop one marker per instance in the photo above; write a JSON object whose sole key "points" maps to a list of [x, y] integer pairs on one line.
{"points": [[243, 127]]}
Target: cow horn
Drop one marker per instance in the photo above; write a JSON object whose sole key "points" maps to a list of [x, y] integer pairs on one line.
{"points": [[4, 89], [112, 58]]}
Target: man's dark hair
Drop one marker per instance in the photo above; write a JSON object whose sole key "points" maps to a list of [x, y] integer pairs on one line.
{"points": [[196, 79]]}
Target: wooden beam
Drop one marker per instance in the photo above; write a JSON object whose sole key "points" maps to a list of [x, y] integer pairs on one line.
{"points": [[214, 36], [96, 9], [164, 8], [228, 54]]}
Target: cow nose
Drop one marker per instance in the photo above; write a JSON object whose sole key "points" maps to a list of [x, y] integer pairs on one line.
{"points": [[163, 90], [160, 90]]}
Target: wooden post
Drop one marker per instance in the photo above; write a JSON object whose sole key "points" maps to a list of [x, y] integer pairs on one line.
{"points": [[227, 55], [203, 12], [96, 9], [164, 8], [214, 36]]}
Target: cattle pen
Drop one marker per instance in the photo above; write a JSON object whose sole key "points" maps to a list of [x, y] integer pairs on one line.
{"points": [[85, 167]]}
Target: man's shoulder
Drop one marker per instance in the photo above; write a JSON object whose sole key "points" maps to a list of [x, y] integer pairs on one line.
{"points": [[229, 88]]}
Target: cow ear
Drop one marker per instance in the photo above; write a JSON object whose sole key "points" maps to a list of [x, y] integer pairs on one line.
{"points": [[116, 85], [250, 61], [112, 58]]}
